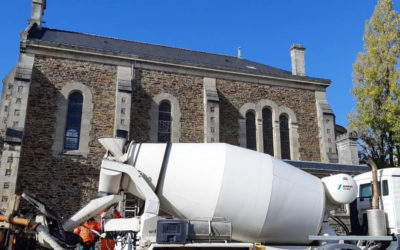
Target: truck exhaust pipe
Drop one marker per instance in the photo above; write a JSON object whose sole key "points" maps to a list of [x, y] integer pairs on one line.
{"points": [[376, 217], [375, 191]]}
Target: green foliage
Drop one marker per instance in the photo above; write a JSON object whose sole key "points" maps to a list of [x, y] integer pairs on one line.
{"points": [[376, 87]]}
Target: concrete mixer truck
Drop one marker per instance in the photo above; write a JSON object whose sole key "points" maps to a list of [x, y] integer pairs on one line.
{"points": [[216, 196]]}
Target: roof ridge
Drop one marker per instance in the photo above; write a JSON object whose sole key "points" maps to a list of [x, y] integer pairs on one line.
{"points": [[126, 40]]}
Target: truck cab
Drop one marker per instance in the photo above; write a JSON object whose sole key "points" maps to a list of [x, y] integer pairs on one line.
{"points": [[389, 198]]}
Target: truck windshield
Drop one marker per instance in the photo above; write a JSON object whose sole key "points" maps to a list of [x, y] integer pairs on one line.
{"points": [[366, 189]]}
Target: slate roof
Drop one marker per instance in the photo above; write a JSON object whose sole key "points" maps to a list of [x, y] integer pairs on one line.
{"points": [[158, 53], [329, 167]]}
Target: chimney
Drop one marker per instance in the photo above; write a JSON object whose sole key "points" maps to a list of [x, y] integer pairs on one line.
{"points": [[298, 63], [239, 52], [347, 148], [38, 7]]}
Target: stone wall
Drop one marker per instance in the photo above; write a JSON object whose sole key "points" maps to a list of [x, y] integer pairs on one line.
{"points": [[68, 182], [65, 181], [187, 89], [234, 94]]}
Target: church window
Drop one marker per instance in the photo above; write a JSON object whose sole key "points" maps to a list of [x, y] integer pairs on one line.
{"points": [[74, 118], [268, 128], [284, 135], [267, 131], [165, 119], [251, 130], [164, 122]]}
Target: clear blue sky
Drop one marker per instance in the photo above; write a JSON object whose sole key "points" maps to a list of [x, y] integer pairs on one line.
{"points": [[265, 29]]}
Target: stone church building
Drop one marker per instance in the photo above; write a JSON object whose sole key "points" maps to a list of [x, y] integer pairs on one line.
{"points": [[68, 89]]}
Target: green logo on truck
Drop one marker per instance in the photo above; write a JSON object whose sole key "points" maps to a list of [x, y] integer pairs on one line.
{"points": [[345, 187]]}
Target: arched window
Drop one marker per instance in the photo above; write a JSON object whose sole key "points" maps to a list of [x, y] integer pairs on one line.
{"points": [[164, 122], [285, 140], [165, 119], [74, 118], [251, 130], [267, 131]]}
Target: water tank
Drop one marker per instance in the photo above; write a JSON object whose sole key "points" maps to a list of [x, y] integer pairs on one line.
{"points": [[340, 189], [265, 199]]}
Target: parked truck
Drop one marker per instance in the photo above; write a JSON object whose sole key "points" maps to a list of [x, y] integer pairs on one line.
{"points": [[216, 196]]}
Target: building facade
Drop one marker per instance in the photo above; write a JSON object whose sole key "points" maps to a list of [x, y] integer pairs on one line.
{"points": [[69, 89]]}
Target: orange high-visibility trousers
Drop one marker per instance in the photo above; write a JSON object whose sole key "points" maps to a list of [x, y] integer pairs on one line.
{"points": [[107, 244]]}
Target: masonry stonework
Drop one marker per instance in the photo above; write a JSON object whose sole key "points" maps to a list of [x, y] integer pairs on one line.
{"points": [[74, 178], [234, 94], [188, 89], [66, 181]]}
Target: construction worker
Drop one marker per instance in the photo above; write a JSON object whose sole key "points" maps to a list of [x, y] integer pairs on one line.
{"points": [[107, 244], [87, 235]]}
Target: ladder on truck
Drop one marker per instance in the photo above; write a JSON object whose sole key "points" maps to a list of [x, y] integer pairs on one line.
{"points": [[130, 206]]}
